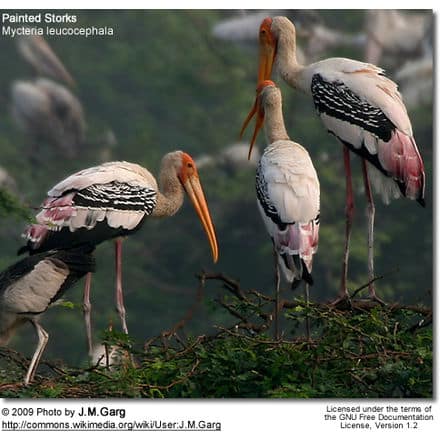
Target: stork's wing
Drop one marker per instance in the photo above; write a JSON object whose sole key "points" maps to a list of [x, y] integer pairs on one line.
{"points": [[360, 84], [119, 192], [122, 204], [288, 196], [287, 184], [364, 110], [102, 174]]}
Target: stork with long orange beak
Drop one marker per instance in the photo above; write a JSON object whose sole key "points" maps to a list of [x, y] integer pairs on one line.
{"points": [[112, 200], [287, 193], [363, 108], [258, 111]]}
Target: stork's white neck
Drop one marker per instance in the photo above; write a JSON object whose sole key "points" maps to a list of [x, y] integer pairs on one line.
{"points": [[287, 64], [274, 127]]}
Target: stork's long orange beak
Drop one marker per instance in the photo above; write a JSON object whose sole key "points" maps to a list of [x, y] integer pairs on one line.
{"points": [[195, 193], [256, 109], [259, 111], [267, 55], [267, 51]]}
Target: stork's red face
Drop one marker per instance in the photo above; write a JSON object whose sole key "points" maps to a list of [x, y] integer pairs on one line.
{"points": [[188, 169], [268, 50], [257, 109], [189, 177]]}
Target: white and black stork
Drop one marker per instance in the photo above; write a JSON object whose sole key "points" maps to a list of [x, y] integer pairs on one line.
{"points": [[30, 286], [359, 105], [287, 193], [110, 201]]}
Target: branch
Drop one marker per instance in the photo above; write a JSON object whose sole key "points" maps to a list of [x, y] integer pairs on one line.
{"points": [[422, 323], [167, 334], [234, 287], [175, 382]]}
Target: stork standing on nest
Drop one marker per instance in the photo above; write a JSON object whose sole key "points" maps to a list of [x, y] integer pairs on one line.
{"points": [[30, 286], [361, 107], [287, 194], [111, 201]]}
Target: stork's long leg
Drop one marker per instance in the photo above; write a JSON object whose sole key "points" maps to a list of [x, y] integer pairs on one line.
{"points": [[87, 307], [43, 337], [119, 294], [349, 211], [370, 214], [277, 293], [307, 298]]}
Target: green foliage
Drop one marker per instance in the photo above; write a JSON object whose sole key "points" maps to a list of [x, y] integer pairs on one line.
{"points": [[10, 206], [375, 354]]}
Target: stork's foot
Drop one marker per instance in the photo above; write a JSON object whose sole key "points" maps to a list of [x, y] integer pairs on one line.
{"points": [[342, 301], [371, 291], [374, 297]]}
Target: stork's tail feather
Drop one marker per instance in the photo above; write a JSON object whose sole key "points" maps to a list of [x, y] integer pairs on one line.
{"points": [[401, 159], [296, 245], [292, 268], [35, 235], [295, 270]]}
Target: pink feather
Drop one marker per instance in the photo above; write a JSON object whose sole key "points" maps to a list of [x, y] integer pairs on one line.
{"points": [[56, 210], [401, 158], [299, 239], [36, 234]]}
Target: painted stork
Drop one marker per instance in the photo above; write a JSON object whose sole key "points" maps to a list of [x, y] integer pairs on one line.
{"points": [[396, 35], [287, 192], [37, 52], [359, 105], [30, 286], [49, 112], [112, 200]]}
